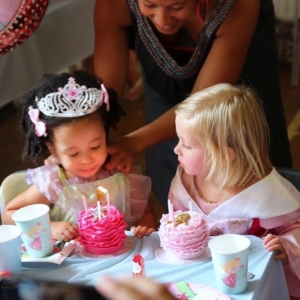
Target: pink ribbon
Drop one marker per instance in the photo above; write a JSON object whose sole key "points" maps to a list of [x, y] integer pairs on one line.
{"points": [[40, 127], [106, 96]]}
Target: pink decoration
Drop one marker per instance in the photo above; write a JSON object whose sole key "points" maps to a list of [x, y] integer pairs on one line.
{"points": [[18, 20], [106, 96], [138, 266], [40, 127]]}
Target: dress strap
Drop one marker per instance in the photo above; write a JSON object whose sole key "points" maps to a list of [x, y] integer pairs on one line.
{"points": [[62, 175]]}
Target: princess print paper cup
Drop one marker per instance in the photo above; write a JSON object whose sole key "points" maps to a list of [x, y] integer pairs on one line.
{"points": [[230, 259], [35, 223]]}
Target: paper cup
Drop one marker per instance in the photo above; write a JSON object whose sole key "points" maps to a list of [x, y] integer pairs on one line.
{"points": [[10, 249], [35, 223], [230, 259]]}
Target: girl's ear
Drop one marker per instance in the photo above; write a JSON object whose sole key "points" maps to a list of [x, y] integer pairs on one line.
{"points": [[231, 154], [51, 148]]}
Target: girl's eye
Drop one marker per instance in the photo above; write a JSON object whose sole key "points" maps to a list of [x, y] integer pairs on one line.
{"points": [[95, 148], [186, 147], [73, 155]]}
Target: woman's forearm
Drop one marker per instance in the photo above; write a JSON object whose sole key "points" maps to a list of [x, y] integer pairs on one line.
{"points": [[160, 130]]}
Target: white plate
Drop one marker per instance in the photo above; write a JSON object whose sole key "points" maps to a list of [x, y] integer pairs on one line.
{"points": [[127, 246], [58, 256], [162, 256]]}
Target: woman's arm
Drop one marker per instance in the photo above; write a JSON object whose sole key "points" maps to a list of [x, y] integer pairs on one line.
{"points": [[111, 20], [224, 63]]}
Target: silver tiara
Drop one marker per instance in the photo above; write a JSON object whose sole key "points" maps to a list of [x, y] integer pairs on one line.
{"points": [[73, 100]]}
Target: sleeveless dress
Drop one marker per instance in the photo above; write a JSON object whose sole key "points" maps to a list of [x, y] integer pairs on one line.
{"points": [[169, 78], [272, 201], [129, 193]]}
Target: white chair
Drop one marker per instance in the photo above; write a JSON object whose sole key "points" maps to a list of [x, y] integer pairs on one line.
{"points": [[12, 185]]}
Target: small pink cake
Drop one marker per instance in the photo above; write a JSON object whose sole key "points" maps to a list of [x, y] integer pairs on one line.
{"points": [[101, 236], [185, 237]]}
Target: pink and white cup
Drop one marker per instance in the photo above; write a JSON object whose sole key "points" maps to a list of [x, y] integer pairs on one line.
{"points": [[230, 259], [35, 223], [10, 249]]}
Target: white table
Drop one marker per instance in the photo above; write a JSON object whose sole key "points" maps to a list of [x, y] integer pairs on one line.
{"points": [[64, 37], [268, 283]]}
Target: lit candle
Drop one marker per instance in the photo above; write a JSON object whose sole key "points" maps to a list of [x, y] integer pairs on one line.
{"points": [[84, 203], [99, 209], [191, 209], [171, 212]]}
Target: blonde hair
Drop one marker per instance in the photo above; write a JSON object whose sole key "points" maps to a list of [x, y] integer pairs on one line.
{"points": [[226, 116]]}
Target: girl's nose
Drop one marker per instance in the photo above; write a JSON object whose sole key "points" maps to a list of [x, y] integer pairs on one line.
{"points": [[176, 149], [86, 158]]}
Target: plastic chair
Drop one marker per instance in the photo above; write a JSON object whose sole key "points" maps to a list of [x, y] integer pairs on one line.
{"points": [[12, 186], [291, 175]]}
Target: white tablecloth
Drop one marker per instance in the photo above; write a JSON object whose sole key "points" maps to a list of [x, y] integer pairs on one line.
{"points": [[268, 283], [64, 37]]}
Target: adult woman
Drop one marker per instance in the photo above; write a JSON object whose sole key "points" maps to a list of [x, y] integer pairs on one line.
{"points": [[185, 46]]}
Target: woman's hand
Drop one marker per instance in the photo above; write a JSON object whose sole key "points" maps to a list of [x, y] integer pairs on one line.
{"points": [[130, 288], [141, 231], [64, 231], [121, 155], [273, 243], [52, 160]]}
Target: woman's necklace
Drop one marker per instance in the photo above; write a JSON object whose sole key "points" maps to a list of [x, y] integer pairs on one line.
{"points": [[197, 189]]}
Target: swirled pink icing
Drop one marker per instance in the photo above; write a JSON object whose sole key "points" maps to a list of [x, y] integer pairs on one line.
{"points": [[184, 241], [104, 236]]}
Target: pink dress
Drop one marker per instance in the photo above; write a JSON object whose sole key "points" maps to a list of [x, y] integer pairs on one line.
{"points": [[274, 201], [128, 192]]}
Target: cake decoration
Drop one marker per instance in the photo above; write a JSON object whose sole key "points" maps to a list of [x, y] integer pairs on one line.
{"points": [[138, 266], [101, 229], [184, 235]]}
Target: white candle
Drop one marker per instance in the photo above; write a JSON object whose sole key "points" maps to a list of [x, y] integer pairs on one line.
{"points": [[99, 209], [191, 209], [84, 203], [108, 201]]}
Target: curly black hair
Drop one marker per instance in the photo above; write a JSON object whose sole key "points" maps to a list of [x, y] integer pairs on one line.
{"points": [[36, 147]]}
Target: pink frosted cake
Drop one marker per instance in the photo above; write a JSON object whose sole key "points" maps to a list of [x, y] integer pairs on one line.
{"points": [[186, 237], [101, 236]]}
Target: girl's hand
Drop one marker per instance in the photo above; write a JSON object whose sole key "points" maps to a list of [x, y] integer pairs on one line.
{"points": [[141, 231], [64, 231], [130, 288], [273, 243]]}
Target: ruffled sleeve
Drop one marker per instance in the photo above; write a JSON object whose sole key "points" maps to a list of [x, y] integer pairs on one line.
{"points": [[47, 180], [140, 188]]}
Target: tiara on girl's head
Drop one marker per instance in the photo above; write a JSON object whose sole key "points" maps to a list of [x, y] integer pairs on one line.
{"points": [[73, 100]]}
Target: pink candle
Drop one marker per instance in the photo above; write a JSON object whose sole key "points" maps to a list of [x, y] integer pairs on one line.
{"points": [[191, 209], [84, 203], [171, 212]]}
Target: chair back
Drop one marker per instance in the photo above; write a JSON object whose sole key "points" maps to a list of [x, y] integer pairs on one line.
{"points": [[291, 175], [12, 186]]}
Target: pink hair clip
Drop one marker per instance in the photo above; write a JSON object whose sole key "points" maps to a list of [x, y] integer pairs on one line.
{"points": [[106, 96], [40, 127]]}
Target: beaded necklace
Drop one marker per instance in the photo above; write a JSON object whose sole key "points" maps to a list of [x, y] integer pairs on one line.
{"points": [[162, 58]]}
